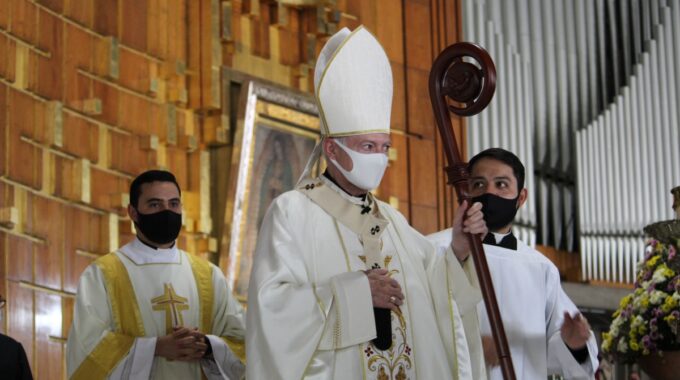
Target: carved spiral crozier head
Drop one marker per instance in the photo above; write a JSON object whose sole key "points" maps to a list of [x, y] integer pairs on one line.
{"points": [[462, 81], [466, 77]]}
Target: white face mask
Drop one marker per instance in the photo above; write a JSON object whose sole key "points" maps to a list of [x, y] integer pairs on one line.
{"points": [[367, 168]]}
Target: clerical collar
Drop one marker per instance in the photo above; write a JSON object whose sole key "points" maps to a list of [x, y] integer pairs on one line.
{"points": [[330, 178], [154, 247], [507, 240], [142, 253], [362, 201]]}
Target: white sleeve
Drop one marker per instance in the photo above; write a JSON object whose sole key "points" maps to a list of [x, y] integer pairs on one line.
{"points": [[289, 317], [560, 359], [224, 365], [137, 364]]}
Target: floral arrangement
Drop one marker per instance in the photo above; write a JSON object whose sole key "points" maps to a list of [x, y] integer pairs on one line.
{"points": [[647, 320]]}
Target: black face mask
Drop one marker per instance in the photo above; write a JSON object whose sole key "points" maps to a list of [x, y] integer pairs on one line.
{"points": [[498, 211], [160, 227]]}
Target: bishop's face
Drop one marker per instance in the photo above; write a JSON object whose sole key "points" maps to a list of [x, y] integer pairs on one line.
{"points": [[358, 162], [366, 144]]}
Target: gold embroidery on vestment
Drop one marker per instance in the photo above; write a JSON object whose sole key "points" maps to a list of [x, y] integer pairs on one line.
{"points": [[173, 305], [391, 364]]}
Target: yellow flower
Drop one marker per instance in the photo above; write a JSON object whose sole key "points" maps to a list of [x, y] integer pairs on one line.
{"points": [[625, 301], [634, 345], [652, 261], [669, 304], [670, 318]]}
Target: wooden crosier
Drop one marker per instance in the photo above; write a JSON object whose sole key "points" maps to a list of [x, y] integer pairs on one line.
{"points": [[470, 87]]}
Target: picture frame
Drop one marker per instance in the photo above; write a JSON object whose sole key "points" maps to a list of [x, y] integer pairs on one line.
{"points": [[275, 133]]}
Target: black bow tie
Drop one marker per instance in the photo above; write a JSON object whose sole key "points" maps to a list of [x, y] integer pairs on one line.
{"points": [[509, 241]]}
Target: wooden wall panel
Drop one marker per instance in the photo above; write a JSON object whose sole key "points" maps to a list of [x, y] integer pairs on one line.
{"points": [[30, 156], [108, 96], [21, 316], [4, 17], [424, 218], [135, 72], [421, 120], [106, 17], [76, 87], [389, 29], [22, 15], [3, 280], [54, 5], [49, 225], [4, 128], [20, 263], [80, 137], [422, 157], [48, 350], [398, 118], [49, 80], [132, 153], [134, 20], [80, 11], [109, 190], [419, 36], [396, 177]]}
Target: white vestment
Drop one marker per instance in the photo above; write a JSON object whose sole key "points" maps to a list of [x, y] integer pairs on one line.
{"points": [[310, 313], [532, 303], [127, 299]]}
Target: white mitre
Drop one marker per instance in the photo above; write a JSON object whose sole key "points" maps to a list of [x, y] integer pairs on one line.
{"points": [[353, 87]]}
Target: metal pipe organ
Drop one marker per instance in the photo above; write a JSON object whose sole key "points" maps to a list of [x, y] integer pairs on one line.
{"points": [[587, 96]]}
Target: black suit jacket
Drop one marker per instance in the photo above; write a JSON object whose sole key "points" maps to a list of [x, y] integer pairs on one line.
{"points": [[13, 361]]}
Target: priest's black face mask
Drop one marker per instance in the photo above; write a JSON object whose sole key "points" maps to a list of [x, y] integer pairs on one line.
{"points": [[161, 227]]}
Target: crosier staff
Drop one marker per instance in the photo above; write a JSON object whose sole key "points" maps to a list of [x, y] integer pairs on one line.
{"points": [[469, 89]]}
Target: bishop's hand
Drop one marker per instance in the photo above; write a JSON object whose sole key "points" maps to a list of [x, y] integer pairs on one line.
{"points": [[182, 344], [385, 291], [467, 220], [575, 331]]}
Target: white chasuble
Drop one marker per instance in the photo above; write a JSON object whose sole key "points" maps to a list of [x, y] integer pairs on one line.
{"points": [[127, 299], [532, 303], [310, 313]]}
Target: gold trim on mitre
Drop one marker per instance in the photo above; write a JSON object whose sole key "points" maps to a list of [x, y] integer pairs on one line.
{"points": [[354, 92]]}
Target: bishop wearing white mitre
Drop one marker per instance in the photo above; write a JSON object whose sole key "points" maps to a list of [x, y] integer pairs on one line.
{"points": [[342, 287]]}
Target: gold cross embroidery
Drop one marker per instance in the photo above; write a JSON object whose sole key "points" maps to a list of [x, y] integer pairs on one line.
{"points": [[172, 304]]}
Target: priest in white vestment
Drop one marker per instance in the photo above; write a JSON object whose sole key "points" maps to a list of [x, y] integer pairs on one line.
{"points": [[151, 310], [545, 331], [342, 287]]}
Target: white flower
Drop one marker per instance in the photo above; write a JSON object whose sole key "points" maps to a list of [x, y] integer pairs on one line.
{"points": [[657, 297], [622, 346], [636, 322], [659, 275]]}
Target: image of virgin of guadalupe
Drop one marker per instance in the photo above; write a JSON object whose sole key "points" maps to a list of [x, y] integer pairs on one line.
{"points": [[278, 161]]}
